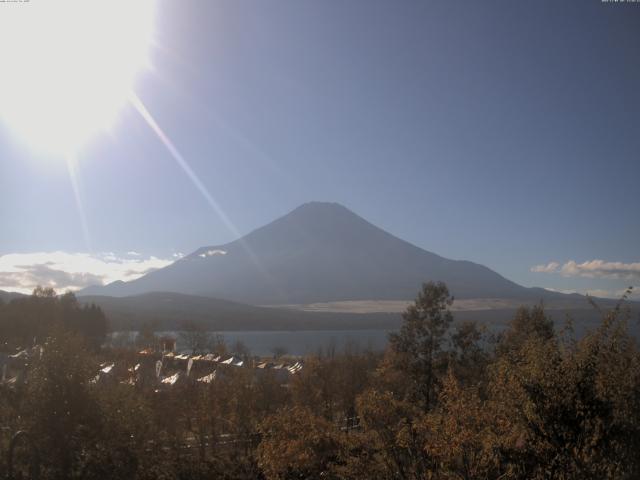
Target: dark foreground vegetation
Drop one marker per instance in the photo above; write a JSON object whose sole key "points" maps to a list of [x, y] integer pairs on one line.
{"points": [[444, 401]]}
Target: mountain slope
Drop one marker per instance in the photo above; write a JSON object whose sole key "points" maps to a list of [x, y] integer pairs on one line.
{"points": [[319, 252], [8, 296]]}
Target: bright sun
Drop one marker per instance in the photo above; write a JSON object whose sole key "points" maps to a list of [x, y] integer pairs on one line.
{"points": [[69, 66]]}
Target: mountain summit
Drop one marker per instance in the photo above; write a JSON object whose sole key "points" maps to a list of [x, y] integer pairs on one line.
{"points": [[319, 252]]}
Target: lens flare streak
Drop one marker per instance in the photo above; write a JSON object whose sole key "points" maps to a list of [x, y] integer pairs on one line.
{"points": [[180, 160], [75, 185], [184, 165]]}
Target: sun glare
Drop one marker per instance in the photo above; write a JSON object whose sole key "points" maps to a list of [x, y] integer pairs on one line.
{"points": [[68, 67]]}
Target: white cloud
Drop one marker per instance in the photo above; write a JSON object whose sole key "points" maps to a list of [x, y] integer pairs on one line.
{"points": [[593, 269], [548, 268], [602, 269], [22, 272], [133, 253], [602, 293]]}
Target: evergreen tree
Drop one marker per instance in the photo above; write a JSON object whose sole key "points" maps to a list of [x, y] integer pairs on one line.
{"points": [[418, 345]]}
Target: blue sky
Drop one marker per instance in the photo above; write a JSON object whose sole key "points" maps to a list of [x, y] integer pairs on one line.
{"points": [[501, 132]]}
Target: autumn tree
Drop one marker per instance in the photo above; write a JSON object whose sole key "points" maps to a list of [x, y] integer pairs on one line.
{"points": [[527, 323], [468, 354], [465, 434], [393, 428], [297, 444], [59, 410], [573, 405], [315, 387]]}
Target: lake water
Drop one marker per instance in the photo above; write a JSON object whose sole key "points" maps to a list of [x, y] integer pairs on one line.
{"points": [[298, 342]]}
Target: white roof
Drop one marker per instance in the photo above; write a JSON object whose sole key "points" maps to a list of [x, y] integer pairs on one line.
{"points": [[208, 378], [107, 367], [235, 361], [172, 380]]}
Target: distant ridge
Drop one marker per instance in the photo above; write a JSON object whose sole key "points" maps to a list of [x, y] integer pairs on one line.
{"points": [[8, 296], [319, 252]]}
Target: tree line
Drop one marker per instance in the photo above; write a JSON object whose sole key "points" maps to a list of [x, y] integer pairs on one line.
{"points": [[29, 320]]}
